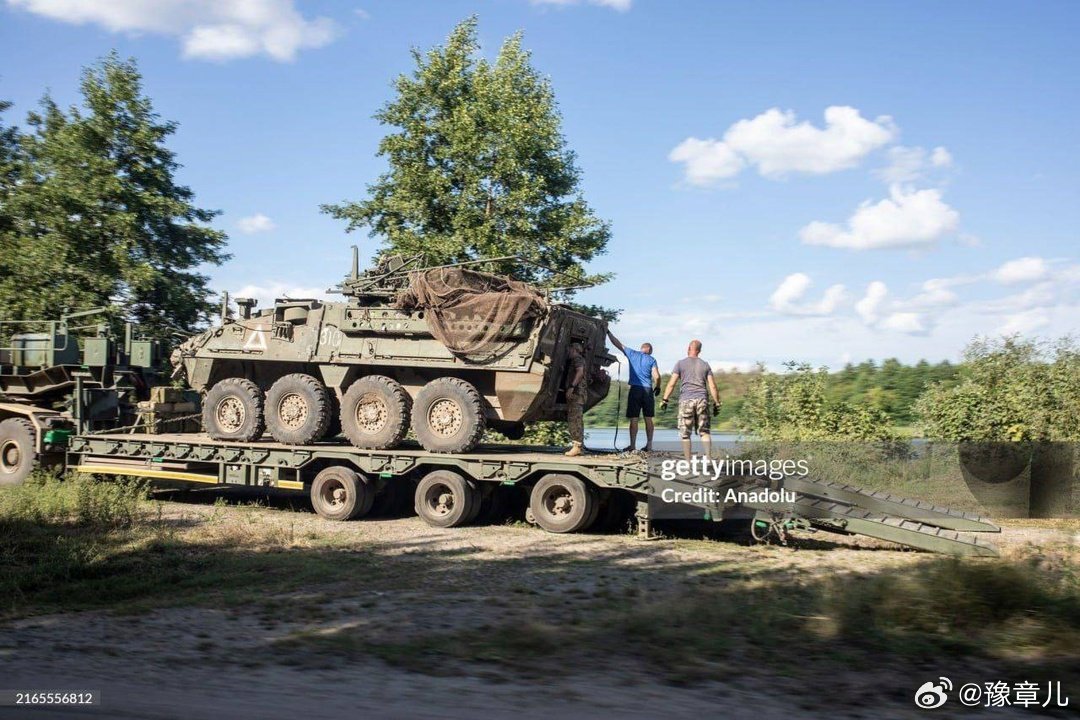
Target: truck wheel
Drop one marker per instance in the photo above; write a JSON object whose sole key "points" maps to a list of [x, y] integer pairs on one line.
{"points": [[233, 410], [17, 441], [297, 409], [448, 416], [446, 499], [562, 503], [375, 413], [333, 429], [340, 493]]}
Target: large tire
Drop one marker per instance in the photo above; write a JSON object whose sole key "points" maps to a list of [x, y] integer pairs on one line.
{"points": [[562, 503], [446, 499], [340, 493], [17, 454], [298, 409], [448, 416], [333, 429], [233, 410], [375, 413]]}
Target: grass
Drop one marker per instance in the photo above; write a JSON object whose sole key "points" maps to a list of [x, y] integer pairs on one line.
{"points": [[80, 544]]}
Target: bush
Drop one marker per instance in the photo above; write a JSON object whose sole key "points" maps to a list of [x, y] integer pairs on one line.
{"points": [[1010, 390]]}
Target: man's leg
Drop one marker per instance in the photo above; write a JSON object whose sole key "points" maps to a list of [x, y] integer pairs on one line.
{"points": [[703, 427], [575, 411], [686, 424], [633, 433], [649, 427]]}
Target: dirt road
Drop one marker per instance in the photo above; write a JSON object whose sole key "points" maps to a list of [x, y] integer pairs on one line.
{"points": [[414, 622]]}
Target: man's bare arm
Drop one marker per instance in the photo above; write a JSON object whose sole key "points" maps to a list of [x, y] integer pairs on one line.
{"points": [[713, 390], [655, 376], [671, 386], [615, 341]]}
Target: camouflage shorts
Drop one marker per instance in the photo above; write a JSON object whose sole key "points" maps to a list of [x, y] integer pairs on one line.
{"points": [[693, 416]]}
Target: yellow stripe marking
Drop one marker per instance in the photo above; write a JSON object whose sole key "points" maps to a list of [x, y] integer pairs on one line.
{"points": [[146, 472], [290, 484]]}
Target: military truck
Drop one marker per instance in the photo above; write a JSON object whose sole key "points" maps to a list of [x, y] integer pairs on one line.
{"points": [[447, 350], [71, 374]]}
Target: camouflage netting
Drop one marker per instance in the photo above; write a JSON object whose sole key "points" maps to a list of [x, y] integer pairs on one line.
{"points": [[471, 312]]}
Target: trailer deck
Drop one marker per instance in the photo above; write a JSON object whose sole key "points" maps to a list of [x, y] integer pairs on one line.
{"points": [[817, 505]]}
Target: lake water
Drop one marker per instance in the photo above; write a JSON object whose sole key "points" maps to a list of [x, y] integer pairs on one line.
{"points": [[604, 438]]}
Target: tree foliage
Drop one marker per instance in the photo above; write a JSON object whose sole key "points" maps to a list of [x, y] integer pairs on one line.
{"points": [[479, 168], [1009, 389], [96, 216], [795, 406]]}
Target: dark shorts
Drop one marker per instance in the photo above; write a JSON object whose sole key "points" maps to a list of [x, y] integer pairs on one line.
{"points": [[640, 402]]}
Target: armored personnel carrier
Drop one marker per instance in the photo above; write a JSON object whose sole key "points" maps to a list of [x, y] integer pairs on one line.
{"points": [[446, 350]]}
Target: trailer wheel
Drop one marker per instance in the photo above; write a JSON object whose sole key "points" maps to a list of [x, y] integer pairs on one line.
{"points": [[448, 416], [17, 441], [340, 493], [562, 503], [297, 409], [233, 410], [446, 499], [375, 413]]}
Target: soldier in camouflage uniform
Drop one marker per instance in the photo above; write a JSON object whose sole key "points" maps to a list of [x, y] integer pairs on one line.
{"points": [[696, 377], [576, 393]]}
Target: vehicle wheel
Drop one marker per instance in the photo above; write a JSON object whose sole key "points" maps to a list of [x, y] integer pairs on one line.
{"points": [[333, 428], [448, 416], [445, 499], [375, 413], [392, 500], [594, 509], [233, 410], [562, 503], [340, 493], [17, 441], [615, 513], [297, 409]]}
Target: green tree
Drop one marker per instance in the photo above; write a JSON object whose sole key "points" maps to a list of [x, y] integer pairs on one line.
{"points": [[1009, 389], [98, 217], [479, 168], [794, 406]]}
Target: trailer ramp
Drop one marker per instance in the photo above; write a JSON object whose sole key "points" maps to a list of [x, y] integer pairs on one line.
{"points": [[840, 508]]}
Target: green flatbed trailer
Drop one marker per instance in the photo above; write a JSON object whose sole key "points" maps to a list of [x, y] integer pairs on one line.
{"points": [[565, 494]]}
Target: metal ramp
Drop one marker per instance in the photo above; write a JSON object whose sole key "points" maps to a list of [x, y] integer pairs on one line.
{"points": [[840, 508]]}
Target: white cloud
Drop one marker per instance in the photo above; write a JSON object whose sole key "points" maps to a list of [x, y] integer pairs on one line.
{"points": [[267, 292], [935, 293], [908, 218], [905, 322], [867, 307], [786, 297], [777, 144], [706, 160], [620, 5], [1021, 270], [941, 157], [256, 223], [909, 164], [208, 29], [1025, 322]]}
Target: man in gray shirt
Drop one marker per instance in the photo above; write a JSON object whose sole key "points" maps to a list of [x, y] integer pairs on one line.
{"points": [[697, 384]]}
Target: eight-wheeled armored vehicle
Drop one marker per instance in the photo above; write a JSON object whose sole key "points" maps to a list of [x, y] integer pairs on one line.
{"points": [[446, 350]]}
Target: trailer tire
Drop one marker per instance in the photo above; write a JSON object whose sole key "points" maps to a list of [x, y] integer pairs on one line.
{"points": [[297, 409], [448, 416], [446, 499], [562, 503], [234, 410], [340, 493], [17, 450], [375, 413]]}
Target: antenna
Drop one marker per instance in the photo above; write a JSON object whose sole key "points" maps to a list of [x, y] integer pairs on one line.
{"points": [[355, 262]]}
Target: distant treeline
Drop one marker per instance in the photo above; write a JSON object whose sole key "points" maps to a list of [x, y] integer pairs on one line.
{"points": [[890, 386]]}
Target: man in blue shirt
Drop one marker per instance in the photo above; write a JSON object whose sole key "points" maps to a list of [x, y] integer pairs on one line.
{"points": [[644, 387]]}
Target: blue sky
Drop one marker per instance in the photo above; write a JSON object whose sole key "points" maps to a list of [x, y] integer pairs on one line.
{"points": [[785, 180]]}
